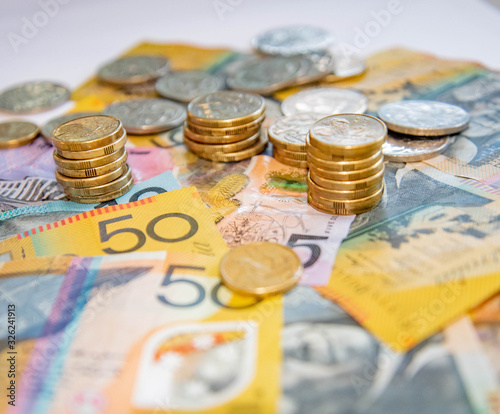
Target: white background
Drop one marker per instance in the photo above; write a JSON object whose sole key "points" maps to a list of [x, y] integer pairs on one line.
{"points": [[82, 34]]}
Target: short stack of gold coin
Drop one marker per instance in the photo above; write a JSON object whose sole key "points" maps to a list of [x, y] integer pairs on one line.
{"points": [[346, 169], [225, 126], [91, 159]]}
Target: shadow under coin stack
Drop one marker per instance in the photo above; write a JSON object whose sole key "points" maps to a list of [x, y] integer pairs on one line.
{"points": [[91, 159], [225, 126], [346, 169]]}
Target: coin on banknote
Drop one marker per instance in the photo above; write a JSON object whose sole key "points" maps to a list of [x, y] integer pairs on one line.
{"points": [[292, 40], [94, 199], [185, 85], [147, 116], [17, 133], [402, 148], [226, 147], [103, 189], [290, 132], [248, 152], [261, 269], [424, 118], [347, 185], [289, 161], [94, 153], [348, 134], [226, 109], [267, 75], [91, 181], [325, 101], [51, 125], [95, 171], [133, 69], [32, 97], [87, 133]]}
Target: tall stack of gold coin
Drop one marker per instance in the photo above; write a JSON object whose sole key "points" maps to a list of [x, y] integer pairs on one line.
{"points": [[91, 159], [225, 126], [346, 169]]}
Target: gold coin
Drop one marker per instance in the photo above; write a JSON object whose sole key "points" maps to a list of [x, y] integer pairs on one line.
{"points": [[294, 155], [104, 197], [219, 139], [328, 156], [345, 207], [355, 165], [101, 189], [237, 156], [347, 185], [86, 164], [342, 195], [95, 153], [17, 133], [261, 269], [226, 148], [217, 132], [96, 171], [87, 133], [90, 182], [223, 109], [347, 175], [348, 134], [290, 162]]}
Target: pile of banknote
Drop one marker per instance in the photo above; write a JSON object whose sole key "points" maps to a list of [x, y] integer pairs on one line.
{"points": [[215, 286]]}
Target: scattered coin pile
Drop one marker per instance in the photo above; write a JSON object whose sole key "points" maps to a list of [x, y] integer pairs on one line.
{"points": [[225, 126], [91, 159], [346, 170], [288, 134]]}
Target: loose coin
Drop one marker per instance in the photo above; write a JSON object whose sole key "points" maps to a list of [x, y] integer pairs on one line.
{"points": [[225, 109], [32, 97], [290, 162], [347, 185], [292, 40], [92, 181], [17, 133], [50, 126], [290, 132], [87, 133], [401, 148], [239, 155], [325, 101], [246, 129], [347, 175], [98, 190], [314, 67], [104, 197], [267, 75], [147, 116], [95, 171], [186, 85], [261, 269], [345, 66], [131, 70], [343, 195], [227, 148], [424, 118], [82, 165], [94, 153], [346, 207], [348, 134], [355, 165], [219, 139], [294, 155]]}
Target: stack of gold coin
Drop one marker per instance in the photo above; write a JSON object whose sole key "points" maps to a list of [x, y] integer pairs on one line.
{"points": [[288, 135], [91, 159], [225, 126], [346, 169]]}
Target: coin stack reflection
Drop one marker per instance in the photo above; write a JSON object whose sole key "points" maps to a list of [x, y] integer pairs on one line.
{"points": [[91, 159], [225, 126], [346, 170]]}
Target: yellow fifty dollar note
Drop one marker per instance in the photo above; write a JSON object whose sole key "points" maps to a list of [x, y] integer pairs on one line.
{"points": [[175, 221]]}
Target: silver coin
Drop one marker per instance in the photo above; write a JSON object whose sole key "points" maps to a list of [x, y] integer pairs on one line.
{"points": [[185, 85], [147, 116], [326, 101], [32, 97], [424, 118], [54, 123], [273, 111], [291, 131], [265, 76], [292, 40], [133, 69], [314, 67], [227, 105], [401, 148], [347, 66]]}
